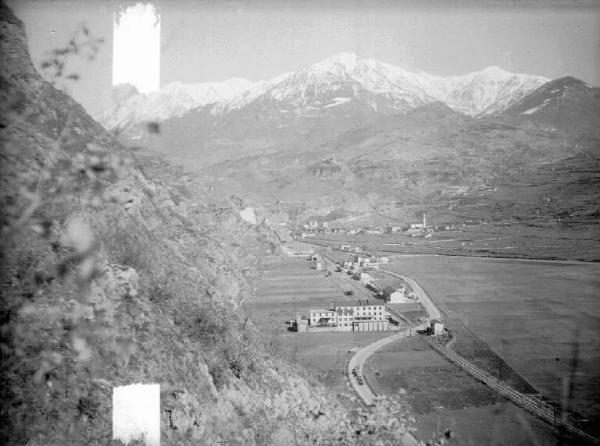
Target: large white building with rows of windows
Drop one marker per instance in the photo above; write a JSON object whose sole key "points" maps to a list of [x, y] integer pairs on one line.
{"points": [[361, 317]]}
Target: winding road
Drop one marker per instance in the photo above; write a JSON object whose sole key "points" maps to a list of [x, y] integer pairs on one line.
{"points": [[363, 390], [527, 402], [357, 362]]}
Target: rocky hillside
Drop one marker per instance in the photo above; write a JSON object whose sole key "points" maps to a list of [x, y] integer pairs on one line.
{"points": [[505, 170], [567, 104], [116, 269]]}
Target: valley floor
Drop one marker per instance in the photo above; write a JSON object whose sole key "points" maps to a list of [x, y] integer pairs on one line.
{"points": [[542, 318], [514, 241], [516, 312]]}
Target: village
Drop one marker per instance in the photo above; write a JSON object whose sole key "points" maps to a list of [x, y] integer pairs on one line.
{"points": [[380, 307], [314, 228]]}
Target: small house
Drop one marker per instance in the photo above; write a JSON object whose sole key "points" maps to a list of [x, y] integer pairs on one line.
{"points": [[437, 328], [393, 295]]}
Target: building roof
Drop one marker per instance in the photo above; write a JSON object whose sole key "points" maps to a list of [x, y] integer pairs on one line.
{"points": [[388, 290]]}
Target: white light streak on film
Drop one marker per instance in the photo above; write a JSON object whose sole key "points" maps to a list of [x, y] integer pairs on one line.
{"points": [[136, 413], [136, 47]]}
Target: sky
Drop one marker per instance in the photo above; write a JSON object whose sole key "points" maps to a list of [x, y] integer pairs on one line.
{"points": [[216, 40]]}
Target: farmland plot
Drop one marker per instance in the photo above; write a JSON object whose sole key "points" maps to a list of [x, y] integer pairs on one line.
{"points": [[290, 286], [542, 318], [443, 396]]}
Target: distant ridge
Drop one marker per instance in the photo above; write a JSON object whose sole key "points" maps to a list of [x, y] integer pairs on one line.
{"points": [[568, 104], [329, 83]]}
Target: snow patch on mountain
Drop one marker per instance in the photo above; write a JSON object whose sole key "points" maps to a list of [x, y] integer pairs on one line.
{"points": [[337, 101]]}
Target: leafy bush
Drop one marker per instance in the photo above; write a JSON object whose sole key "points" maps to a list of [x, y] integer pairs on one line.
{"points": [[230, 348]]}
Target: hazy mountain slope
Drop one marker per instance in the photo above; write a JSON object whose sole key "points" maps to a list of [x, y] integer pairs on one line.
{"points": [[302, 110], [488, 91], [432, 159], [567, 104], [116, 269], [129, 107], [332, 138]]}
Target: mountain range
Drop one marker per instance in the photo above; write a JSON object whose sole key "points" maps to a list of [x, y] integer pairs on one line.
{"points": [[329, 83], [350, 136]]}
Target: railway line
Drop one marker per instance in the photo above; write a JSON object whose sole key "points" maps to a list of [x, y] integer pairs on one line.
{"points": [[535, 406]]}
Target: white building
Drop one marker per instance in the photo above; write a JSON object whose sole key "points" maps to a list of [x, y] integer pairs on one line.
{"points": [[348, 318], [301, 325], [365, 278], [437, 328], [362, 260], [395, 295], [322, 318], [399, 296]]}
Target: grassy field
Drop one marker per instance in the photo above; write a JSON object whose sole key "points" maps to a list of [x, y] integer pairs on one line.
{"points": [[290, 286], [519, 240], [325, 354], [543, 318], [442, 396], [526, 313], [500, 423], [413, 368]]}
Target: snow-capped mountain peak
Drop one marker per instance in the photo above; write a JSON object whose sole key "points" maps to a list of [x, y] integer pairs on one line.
{"points": [[346, 75], [341, 79], [344, 61], [494, 71], [487, 91]]}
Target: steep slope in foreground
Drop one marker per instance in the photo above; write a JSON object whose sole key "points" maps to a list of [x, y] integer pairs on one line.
{"points": [[114, 271]]}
